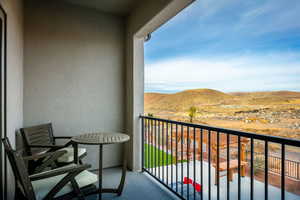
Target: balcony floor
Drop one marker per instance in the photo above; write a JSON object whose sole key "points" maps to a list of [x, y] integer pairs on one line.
{"points": [[138, 186], [274, 192]]}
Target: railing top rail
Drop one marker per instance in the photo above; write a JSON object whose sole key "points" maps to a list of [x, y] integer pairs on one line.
{"points": [[274, 139], [275, 156]]}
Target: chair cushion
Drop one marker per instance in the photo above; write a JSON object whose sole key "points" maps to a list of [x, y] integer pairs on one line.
{"points": [[69, 156], [42, 187]]}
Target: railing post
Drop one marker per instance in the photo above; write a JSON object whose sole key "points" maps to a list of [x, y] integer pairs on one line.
{"points": [[298, 175], [282, 172], [143, 145]]}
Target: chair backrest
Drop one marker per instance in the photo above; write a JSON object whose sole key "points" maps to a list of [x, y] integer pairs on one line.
{"points": [[41, 134], [19, 169]]}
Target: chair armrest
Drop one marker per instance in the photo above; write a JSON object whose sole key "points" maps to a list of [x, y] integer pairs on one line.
{"points": [[59, 171], [51, 147], [43, 155], [45, 146], [62, 137]]}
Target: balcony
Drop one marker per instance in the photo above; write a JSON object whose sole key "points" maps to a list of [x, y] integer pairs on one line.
{"points": [[79, 64], [202, 162]]}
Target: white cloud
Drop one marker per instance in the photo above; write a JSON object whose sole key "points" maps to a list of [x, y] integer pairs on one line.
{"points": [[264, 72], [270, 17]]}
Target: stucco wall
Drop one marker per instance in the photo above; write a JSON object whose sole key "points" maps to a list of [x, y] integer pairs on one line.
{"points": [[73, 71], [14, 74]]}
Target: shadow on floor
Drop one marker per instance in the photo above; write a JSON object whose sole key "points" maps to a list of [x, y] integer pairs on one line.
{"points": [[138, 186]]}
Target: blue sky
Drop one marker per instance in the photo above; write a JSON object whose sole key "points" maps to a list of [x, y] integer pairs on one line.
{"points": [[228, 45]]}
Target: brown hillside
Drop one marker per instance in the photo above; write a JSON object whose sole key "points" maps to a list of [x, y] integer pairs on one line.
{"points": [[183, 100], [267, 98], [286, 94]]}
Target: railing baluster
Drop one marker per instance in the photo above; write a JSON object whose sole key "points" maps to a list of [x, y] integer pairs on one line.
{"points": [[155, 145], [228, 165], [293, 168], [159, 151], [201, 160], [288, 169], [163, 154], [218, 166], [181, 160], [148, 143], [172, 157], [188, 161], [194, 156], [239, 167], [167, 150], [151, 152], [282, 172], [298, 168], [266, 169], [143, 144], [176, 157], [252, 170], [209, 165]]}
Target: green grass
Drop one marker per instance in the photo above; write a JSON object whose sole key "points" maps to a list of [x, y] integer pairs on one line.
{"points": [[164, 158]]}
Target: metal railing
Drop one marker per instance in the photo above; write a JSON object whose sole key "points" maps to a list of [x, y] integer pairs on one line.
{"points": [[177, 154], [292, 168]]}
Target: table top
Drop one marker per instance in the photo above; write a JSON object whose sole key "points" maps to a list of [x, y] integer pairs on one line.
{"points": [[98, 138]]}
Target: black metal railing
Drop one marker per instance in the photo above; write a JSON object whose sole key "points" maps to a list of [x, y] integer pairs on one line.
{"points": [[292, 167], [184, 157]]}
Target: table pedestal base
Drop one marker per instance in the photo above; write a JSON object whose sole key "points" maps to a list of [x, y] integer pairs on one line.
{"points": [[118, 190]]}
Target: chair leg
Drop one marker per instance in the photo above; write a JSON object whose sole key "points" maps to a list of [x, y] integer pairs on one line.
{"points": [[77, 190], [18, 193]]}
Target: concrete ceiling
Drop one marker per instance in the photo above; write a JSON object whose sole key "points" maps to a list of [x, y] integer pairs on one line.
{"points": [[118, 7]]}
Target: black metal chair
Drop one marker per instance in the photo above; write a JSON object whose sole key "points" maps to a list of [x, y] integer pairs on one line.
{"points": [[40, 139], [58, 184]]}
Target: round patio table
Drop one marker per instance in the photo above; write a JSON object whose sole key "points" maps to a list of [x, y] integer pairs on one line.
{"points": [[100, 139]]}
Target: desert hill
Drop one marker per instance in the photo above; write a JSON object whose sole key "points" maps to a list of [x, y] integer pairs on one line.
{"points": [[289, 94], [181, 101]]}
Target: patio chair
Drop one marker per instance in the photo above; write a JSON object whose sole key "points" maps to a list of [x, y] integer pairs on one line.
{"points": [[40, 139], [61, 183]]}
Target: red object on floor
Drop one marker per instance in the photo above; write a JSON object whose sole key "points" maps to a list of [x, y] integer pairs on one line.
{"points": [[187, 180], [197, 186]]}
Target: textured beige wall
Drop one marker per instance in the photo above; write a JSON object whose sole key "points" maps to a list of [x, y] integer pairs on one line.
{"points": [[74, 71], [14, 9]]}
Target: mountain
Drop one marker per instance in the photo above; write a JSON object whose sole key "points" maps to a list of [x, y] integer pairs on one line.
{"points": [[267, 97], [181, 101], [283, 93]]}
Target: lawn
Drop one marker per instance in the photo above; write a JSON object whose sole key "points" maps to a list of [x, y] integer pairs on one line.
{"points": [[164, 158]]}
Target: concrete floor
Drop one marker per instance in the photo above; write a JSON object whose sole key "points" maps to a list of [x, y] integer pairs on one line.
{"points": [[274, 192], [138, 186]]}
